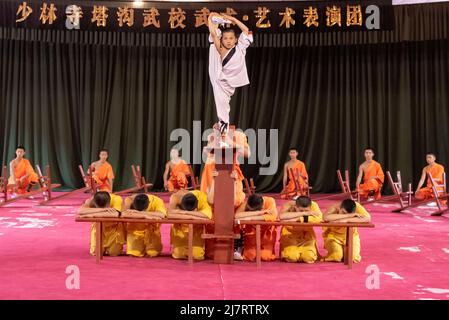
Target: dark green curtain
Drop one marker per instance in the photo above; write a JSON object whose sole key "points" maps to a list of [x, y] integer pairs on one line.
{"points": [[66, 99]]}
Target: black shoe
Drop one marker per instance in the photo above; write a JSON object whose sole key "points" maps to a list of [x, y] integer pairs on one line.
{"points": [[223, 127]]}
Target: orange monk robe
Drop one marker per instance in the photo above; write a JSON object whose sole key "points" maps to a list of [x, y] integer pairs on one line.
{"points": [[207, 177], [436, 171], [374, 169], [22, 169], [298, 169], [267, 234], [178, 176], [101, 175]]}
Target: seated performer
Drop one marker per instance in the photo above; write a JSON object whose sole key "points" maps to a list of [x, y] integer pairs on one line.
{"points": [[188, 205], [298, 244], [239, 197], [334, 237], [436, 170], [179, 170], [227, 66], [233, 138], [22, 176], [103, 173], [257, 207], [113, 232], [144, 238], [373, 177], [288, 181]]}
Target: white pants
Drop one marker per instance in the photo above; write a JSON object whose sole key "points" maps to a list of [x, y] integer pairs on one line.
{"points": [[222, 95]]}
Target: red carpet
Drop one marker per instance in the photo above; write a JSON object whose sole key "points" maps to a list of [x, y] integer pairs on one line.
{"points": [[37, 244]]}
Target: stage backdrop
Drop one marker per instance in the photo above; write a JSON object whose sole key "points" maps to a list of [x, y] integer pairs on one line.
{"points": [[64, 95]]}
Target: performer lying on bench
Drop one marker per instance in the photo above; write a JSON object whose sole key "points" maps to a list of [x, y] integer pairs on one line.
{"points": [[188, 205], [257, 207], [113, 232], [144, 238], [335, 237], [298, 244]]}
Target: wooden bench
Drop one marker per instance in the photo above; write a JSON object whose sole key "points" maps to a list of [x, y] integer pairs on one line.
{"points": [[44, 184], [348, 249], [99, 226]]}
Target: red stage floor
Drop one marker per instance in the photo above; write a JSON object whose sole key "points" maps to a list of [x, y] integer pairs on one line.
{"points": [[37, 244]]}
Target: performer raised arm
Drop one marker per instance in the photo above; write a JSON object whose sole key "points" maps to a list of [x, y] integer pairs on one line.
{"points": [[227, 66]]}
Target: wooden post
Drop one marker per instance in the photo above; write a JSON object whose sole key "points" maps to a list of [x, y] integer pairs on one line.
{"points": [[349, 248], [224, 205], [99, 241], [258, 247], [190, 247]]}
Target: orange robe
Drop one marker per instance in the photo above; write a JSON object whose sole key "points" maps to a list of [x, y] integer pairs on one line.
{"points": [[101, 175], [21, 169], [436, 171], [178, 176], [207, 175], [267, 234], [374, 169], [289, 190]]}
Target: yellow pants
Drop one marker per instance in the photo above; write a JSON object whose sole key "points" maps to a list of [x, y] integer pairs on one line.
{"points": [[143, 239], [180, 240], [334, 244], [303, 252], [113, 238]]}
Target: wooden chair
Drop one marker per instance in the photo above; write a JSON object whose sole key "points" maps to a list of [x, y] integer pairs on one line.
{"points": [[4, 196], [248, 187], [193, 180], [139, 180], [404, 198], [440, 196], [346, 187], [44, 182], [88, 183]]}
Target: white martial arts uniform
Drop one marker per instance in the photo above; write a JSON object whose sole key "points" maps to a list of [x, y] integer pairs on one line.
{"points": [[225, 78]]}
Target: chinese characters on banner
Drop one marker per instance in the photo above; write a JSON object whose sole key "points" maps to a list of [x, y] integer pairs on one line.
{"points": [[191, 17]]}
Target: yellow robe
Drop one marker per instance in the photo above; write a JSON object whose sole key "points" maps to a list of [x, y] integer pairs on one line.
{"points": [[180, 232], [145, 238], [335, 239], [298, 244], [113, 233]]}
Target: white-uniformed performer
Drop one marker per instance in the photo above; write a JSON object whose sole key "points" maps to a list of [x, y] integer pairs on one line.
{"points": [[227, 66]]}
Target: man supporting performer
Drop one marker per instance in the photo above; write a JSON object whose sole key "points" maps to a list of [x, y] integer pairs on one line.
{"points": [[436, 171], [178, 170], [188, 205], [288, 180], [258, 207], [22, 175], [144, 239], [298, 244], [227, 66], [239, 197], [373, 177], [103, 173], [232, 138]]}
